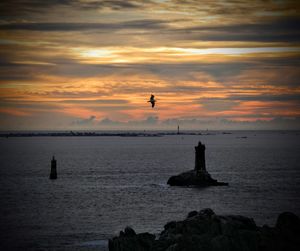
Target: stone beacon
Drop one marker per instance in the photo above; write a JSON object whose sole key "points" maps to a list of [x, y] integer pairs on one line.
{"points": [[197, 177], [53, 172], [200, 158]]}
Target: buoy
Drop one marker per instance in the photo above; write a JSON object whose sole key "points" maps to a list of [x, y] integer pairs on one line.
{"points": [[53, 172]]}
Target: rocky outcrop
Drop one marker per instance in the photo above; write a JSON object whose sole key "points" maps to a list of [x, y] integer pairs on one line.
{"points": [[129, 240], [197, 177], [194, 178], [207, 231]]}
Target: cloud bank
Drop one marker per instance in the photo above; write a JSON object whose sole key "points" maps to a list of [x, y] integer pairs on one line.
{"points": [[93, 64]]}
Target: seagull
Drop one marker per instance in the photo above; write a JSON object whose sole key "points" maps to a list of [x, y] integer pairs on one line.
{"points": [[152, 100]]}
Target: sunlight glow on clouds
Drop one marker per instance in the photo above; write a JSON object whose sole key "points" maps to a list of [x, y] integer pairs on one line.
{"points": [[93, 64], [166, 54]]}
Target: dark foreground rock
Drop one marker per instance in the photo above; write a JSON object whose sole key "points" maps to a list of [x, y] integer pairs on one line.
{"points": [[207, 231], [129, 240], [199, 176]]}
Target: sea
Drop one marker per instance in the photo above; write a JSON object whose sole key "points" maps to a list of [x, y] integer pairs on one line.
{"points": [[107, 183]]}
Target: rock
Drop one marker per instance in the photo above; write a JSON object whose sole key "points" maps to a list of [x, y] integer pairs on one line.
{"points": [[236, 222], [204, 230], [221, 243], [192, 178], [207, 212], [193, 242], [173, 247], [130, 241], [171, 224], [192, 214], [129, 232], [288, 225], [197, 177]]}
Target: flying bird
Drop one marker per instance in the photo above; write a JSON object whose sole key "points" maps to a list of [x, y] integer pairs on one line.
{"points": [[152, 100]]}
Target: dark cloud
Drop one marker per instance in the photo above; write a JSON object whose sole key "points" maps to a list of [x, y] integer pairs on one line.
{"points": [[232, 99], [229, 8], [111, 4], [60, 68], [108, 106], [97, 101], [256, 36], [45, 121], [85, 122], [280, 123], [271, 28], [53, 26], [11, 8], [10, 73], [283, 29], [281, 24], [276, 72], [31, 105], [218, 104], [109, 122], [149, 121], [5, 102], [282, 97], [70, 94]]}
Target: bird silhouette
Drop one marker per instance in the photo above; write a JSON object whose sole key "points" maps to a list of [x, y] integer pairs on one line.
{"points": [[152, 100]]}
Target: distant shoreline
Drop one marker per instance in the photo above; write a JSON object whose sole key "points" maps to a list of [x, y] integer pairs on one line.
{"points": [[14, 134], [96, 134]]}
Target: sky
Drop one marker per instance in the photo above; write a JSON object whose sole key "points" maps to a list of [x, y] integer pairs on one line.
{"points": [[93, 64]]}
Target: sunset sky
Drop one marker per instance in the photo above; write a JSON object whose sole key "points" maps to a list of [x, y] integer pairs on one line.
{"points": [[88, 64]]}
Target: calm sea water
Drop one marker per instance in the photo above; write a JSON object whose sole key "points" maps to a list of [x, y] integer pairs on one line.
{"points": [[107, 183]]}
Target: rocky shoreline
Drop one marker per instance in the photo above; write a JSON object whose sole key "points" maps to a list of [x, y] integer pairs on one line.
{"points": [[204, 230]]}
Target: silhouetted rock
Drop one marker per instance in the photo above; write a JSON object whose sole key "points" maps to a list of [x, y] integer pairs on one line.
{"points": [[197, 177], [284, 236], [129, 232], [130, 241], [192, 214], [288, 225], [207, 231]]}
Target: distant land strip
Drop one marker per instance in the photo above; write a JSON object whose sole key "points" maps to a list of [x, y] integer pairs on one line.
{"points": [[97, 134]]}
